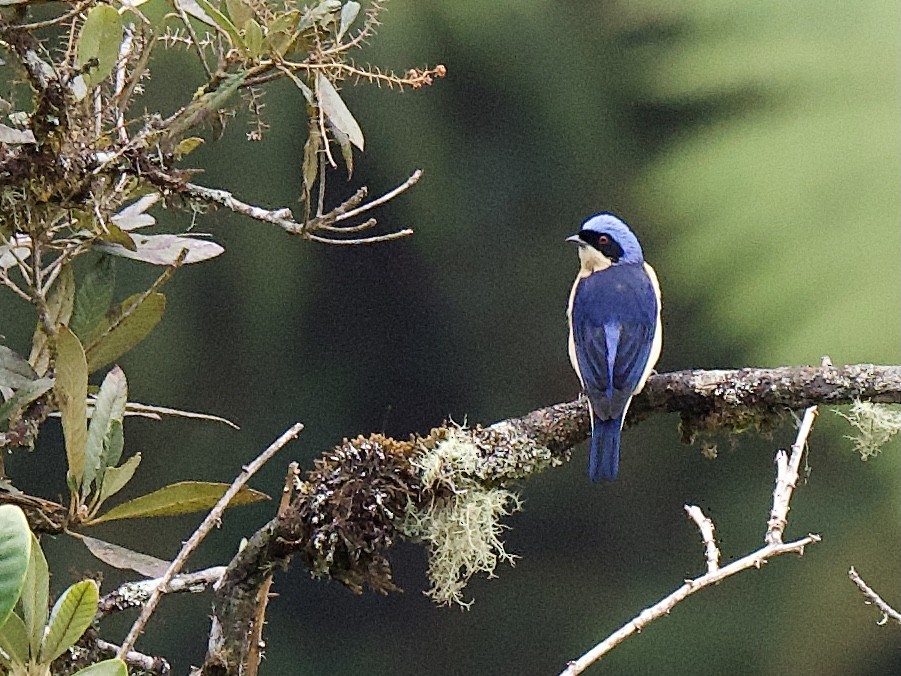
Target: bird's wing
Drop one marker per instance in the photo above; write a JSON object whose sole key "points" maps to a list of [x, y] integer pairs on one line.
{"points": [[614, 320]]}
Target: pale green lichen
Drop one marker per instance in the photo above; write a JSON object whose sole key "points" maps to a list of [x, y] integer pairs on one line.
{"points": [[462, 523], [876, 424]]}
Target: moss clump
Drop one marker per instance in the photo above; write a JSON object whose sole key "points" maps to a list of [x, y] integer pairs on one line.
{"points": [[876, 424], [461, 521]]}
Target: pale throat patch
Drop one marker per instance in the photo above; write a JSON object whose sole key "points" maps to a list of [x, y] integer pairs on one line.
{"points": [[592, 261]]}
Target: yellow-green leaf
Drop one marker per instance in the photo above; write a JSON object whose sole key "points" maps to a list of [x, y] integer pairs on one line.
{"points": [[14, 642], [126, 325], [15, 554], [113, 234], [115, 478], [113, 667], [253, 36], [99, 39], [180, 498], [71, 616], [222, 22], [109, 409], [187, 146], [59, 311], [239, 11], [71, 389], [35, 596], [93, 298]]}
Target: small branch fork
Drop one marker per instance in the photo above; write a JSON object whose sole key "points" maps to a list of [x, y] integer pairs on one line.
{"points": [[888, 613], [786, 478], [212, 520], [329, 222]]}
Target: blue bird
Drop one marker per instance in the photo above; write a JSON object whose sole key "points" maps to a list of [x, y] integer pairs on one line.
{"points": [[615, 332]]}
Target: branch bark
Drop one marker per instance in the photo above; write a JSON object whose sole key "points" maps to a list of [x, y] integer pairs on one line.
{"points": [[351, 507]]}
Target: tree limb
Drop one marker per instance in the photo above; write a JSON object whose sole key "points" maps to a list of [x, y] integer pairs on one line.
{"points": [[359, 497]]}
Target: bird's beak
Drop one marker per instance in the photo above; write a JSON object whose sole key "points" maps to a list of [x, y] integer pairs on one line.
{"points": [[575, 239]]}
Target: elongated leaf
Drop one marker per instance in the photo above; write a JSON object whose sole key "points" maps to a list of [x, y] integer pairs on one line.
{"points": [[71, 616], [239, 11], [15, 371], [165, 249], [222, 22], [191, 7], [15, 553], [93, 298], [59, 311], [113, 234], [71, 391], [116, 478], [122, 330], [14, 641], [109, 408], [337, 111], [11, 408], [348, 15], [149, 411], [99, 39], [113, 667], [180, 498], [134, 216], [125, 559], [35, 597]]}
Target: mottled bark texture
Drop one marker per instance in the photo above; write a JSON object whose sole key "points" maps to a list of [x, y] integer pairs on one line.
{"points": [[350, 508]]}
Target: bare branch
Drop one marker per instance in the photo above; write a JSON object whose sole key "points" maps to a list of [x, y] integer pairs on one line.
{"points": [[773, 547], [888, 613], [663, 607], [133, 594], [707, 529], [212, 520]]}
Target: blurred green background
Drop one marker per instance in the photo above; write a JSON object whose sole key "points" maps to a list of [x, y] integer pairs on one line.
{"points": [[754, 148]]}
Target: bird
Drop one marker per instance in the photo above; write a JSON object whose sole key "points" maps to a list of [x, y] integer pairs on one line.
{"points": [[615, 332]]}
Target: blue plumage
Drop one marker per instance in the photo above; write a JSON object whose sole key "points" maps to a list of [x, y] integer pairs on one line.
{"points": [[615, 337]]}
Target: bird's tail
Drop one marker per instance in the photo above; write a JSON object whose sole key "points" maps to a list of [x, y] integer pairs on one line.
{"points": [[604, 459]]}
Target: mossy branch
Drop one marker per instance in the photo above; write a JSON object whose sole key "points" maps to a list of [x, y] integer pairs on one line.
{"points": [[366, 493]]}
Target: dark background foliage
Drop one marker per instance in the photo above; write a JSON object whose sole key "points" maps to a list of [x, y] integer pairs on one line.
{"points": [[754, 149]]}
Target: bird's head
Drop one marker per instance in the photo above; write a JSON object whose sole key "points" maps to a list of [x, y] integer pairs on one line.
{"points": [[604, 240]]}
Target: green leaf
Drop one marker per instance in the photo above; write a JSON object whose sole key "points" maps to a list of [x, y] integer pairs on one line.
{"points": [[164, 249], [222, 22], [59, 311], [348, 15], [109, 408], [311, 159], [10, 409], [14, 641], [15, 553], [93, 298], [346, 151], [253, 36], [99, 39], [35, 598], [125, 559], [15, 371], [113, 667], [239, 11], [336, 110], [191, 7], [180, 498], [71, 616], [113, 234], [116, 478], [126, 325], [71, 389], [187, 146]]}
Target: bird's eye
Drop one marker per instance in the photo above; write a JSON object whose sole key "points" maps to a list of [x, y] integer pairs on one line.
{"points": [[603, 239]]}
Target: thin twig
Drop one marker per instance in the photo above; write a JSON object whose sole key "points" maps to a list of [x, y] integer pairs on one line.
{"points": [[390, 195], [78, 9], [888, 613], [212, 519], [252, 665], [774, 546], [146, 663], [705, 525], [406, 232], [133, 594], [663, 607]]}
